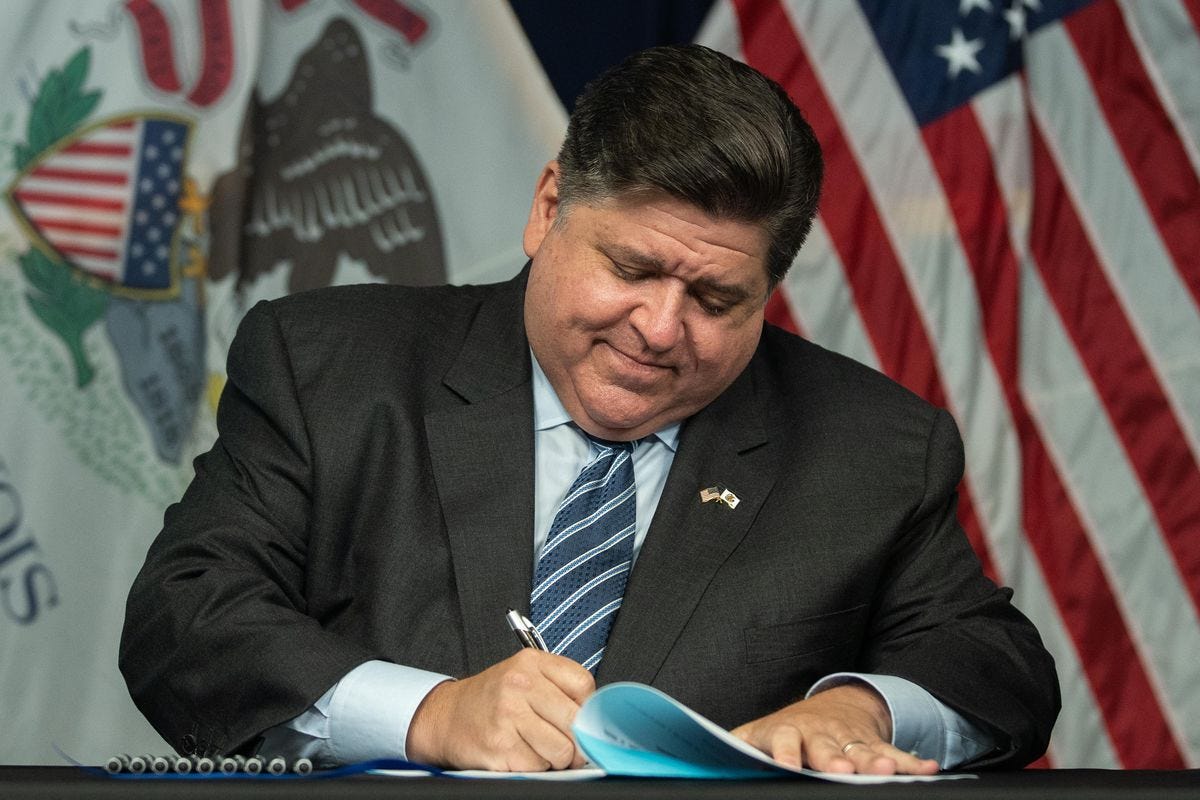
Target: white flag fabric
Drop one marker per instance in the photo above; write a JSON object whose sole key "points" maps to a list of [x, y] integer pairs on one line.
{"points": [[164, 164], [1010, 226]]}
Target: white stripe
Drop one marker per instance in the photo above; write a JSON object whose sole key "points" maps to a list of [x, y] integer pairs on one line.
{"points": [[608, 608], [612, 572], [101, 267], [593, 484], [89, 240], [84, 162], [1167, 42], [1080, 738], [720, 30], [1139, 269], [47, 212], [109, 134], [819, 294], [70, 189], [591, 661]]}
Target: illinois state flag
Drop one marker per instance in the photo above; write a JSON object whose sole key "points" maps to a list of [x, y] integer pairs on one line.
{"points": [[1010, 227], [164, 164]]}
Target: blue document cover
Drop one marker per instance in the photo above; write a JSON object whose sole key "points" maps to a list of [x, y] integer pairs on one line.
{"points": [[635, 730]]}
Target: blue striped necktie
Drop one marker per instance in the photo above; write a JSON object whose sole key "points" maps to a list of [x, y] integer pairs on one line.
{"points": [[582, 569]]}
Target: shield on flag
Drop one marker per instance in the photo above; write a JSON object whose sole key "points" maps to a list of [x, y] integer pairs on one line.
{"points": [[105, 200]]}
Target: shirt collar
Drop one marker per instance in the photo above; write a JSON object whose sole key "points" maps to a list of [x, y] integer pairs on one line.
{"points": [[548, 411]]}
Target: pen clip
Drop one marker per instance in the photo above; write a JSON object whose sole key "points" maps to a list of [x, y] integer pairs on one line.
{"points": [[539, 642], [526, 632]]}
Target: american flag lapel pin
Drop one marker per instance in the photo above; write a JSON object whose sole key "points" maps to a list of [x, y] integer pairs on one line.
{"points": [[719, 494]]}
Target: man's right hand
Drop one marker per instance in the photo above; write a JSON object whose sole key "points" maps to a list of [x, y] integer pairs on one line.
{"points": [[515, 716]]}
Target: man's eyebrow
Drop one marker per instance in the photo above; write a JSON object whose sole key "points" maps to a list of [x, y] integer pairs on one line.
{"points": [[633, 257], [732, 293]]}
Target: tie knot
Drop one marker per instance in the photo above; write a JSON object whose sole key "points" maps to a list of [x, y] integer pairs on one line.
{"points": [[608, 444]]}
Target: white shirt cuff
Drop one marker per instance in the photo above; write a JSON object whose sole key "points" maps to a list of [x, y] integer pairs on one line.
{"points": [[920, 722], [372, 708], [364, 716]]}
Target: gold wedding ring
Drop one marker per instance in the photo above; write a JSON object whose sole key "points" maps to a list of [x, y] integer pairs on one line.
{"points": [[846, 747]]}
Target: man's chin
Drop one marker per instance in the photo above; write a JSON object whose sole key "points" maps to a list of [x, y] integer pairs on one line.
{"points": [[624, 424]]}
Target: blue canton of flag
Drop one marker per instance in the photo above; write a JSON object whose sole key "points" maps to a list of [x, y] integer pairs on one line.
{"points": [[944, 53], [155, 205]]}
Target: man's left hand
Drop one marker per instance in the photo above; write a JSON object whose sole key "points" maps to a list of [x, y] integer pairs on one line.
{"points": [[843, 729]]}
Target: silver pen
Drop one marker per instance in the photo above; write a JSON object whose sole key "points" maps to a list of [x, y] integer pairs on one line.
{"points": [[527, 633]]}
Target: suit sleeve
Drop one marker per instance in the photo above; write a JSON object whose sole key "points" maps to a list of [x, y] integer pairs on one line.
{"points": [[217, 646], [943, 625]]}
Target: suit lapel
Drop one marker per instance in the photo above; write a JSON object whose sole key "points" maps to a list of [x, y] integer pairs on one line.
{"points": [[725, 444], [482, 456]]}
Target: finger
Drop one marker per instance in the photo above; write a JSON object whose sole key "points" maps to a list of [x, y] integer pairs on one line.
{"points": [[551, 744], [785, 746], [568, 675], [869, 759], [823, 752], [554, 707], [518, 756], [882, 758], [907, 763], [580, 759]]}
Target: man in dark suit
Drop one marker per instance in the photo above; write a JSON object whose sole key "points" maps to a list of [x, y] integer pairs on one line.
{"points": [[390, 461]]}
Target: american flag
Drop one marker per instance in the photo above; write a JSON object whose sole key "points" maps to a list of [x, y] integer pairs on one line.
{"points": [[1011, 227], [107, 200]]}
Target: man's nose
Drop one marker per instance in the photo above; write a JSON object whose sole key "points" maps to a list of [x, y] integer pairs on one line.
{"points": [[659, 316]]}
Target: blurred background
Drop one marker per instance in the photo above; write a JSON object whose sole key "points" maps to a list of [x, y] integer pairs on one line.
{"points": [[1010, 227]]}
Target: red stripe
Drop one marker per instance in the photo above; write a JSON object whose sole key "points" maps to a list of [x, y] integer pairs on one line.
{"points": [[1152, 437], [123, 125], [1148, 139], [82, 176], [90, 252], [98, 149], [78, 227], [1193, 8], [1074, 575], [27, 196], [873, 269]]}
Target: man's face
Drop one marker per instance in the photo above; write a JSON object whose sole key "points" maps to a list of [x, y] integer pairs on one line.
{"points": [[641, 309]]}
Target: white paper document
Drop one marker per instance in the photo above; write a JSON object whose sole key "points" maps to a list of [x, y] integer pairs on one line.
{"points": [[635, 730]]}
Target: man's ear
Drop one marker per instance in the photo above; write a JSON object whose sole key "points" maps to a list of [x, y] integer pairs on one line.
{"points": [[544, 210]]}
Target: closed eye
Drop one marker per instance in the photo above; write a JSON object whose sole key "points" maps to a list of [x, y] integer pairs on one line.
{"points": [[628, 273], [712, 307]]}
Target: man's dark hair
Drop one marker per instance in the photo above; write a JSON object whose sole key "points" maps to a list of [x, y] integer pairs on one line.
{"points": [[703, 128]]}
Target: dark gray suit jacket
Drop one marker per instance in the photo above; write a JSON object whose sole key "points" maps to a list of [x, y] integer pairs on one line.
{"points": [[370, 496]]}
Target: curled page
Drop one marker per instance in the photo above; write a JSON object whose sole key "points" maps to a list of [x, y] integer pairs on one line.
{"points": [[635, 730]]}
